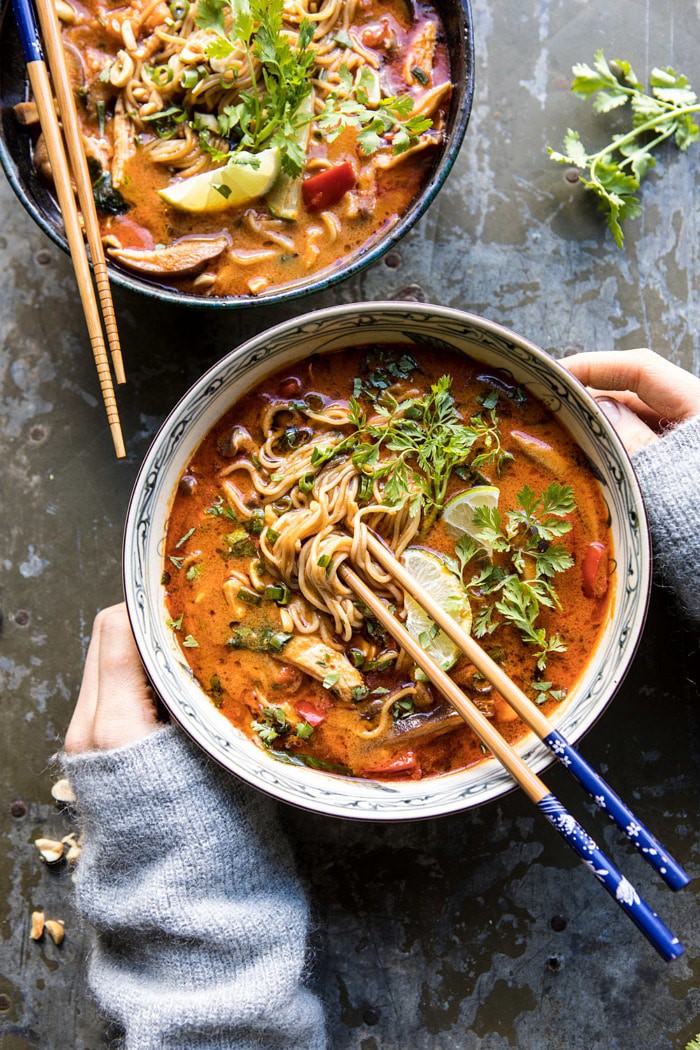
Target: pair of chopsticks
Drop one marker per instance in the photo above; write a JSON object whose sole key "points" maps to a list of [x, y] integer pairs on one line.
{"points": [[575, 836], [62, 171]]}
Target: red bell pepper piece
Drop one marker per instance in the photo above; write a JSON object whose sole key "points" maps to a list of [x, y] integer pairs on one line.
{"points": [[309, 713], [594, 569], [405, 762], [325, 189]]}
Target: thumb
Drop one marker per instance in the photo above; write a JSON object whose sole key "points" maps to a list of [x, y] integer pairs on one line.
{"points": [[633, 433]]}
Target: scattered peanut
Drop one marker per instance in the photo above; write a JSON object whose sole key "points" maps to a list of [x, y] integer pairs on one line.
{"points": [[38, 923], [62, 791], [75, 848], [50, 850], [55, 929]]}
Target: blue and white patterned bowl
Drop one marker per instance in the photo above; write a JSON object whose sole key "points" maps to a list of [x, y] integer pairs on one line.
{"points": [[241, 370]]}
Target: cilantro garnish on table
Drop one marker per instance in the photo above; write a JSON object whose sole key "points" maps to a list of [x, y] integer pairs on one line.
{"points": [[615, 172]]}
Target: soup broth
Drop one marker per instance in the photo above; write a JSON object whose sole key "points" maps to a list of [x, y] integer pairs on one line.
{"points": [[277, 496]]}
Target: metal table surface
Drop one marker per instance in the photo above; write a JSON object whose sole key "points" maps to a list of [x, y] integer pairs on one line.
{"points": [[474, 931]]}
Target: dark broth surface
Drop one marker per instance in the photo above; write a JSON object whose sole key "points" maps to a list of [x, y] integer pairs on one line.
{"points": [[244, 684]]}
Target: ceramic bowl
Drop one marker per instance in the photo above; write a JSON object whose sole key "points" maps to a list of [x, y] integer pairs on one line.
{"points": [[33, 192], [242, 369]]}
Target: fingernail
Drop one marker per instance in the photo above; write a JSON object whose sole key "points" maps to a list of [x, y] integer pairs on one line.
{"points": [[610, 407]]}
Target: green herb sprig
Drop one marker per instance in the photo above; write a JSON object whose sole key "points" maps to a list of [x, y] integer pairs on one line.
{"points": [[615, 172], [350, 107], [523, 584]]}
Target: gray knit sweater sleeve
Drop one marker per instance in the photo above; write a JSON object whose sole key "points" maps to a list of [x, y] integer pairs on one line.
{"points": [[201, 922], [669, 474]]}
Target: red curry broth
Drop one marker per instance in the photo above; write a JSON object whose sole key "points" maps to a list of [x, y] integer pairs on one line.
{"points": [[199, 611]]}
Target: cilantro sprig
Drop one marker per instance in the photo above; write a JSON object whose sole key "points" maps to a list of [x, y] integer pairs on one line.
{"points": [[615, 172], [523, 582], [271, 113], [267, 114], [350, 107], [426, 438]]}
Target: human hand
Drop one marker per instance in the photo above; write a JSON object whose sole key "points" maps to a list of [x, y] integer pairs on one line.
{"points": [[116, 705], [649, 395]]}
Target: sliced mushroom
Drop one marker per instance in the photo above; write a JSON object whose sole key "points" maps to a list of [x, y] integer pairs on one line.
{"points": [[26, 113], [65, 12], [385, 161], [41, 158], [185, 257], [419, 726], [236, 440], [75, 66]]}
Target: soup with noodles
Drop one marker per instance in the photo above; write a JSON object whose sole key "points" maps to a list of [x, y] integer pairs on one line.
{"points": [[468, 478], [237, 148]]}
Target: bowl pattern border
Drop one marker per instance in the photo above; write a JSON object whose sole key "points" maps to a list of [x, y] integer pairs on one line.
{"points": [[334, 328]]}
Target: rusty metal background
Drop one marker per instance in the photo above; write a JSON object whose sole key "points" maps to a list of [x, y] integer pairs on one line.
{"points": [[475, 931]]}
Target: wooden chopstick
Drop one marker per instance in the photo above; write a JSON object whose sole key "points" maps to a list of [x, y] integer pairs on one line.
{"points": [[43, 96], [60, 77], [658, 934], [601, 792]]}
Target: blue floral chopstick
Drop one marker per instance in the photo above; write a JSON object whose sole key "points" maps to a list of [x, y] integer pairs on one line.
{"points": [[607, 800], [28, 31], [665, 942]]}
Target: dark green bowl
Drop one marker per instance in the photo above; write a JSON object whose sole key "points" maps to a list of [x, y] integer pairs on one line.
{"points": [[16, 159]]}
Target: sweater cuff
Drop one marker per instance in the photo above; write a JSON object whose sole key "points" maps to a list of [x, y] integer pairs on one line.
{"points": [[162, 778], [669, 475]]}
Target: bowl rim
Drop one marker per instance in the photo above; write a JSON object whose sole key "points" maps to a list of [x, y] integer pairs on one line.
{"points": [[543, 758], [376, 246]]}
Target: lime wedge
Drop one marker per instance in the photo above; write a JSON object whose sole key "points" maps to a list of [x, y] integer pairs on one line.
{"points": [[458, 514], [251, 176], [444, 588]]}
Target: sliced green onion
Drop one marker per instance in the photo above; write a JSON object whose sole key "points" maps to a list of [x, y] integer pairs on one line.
{"points": [[256, 523], [357, 657], [277, 640], [184, 539], [179, 9], [175, 112], [159, 75], [306, 483], [365, 487], [249, 597], [324, 561], [271, 536], [189, 78], [278, 592]]}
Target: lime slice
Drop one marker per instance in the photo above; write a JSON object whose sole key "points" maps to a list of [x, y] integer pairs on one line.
{"points": [[251, 176], [458, 514], [444, 588]]}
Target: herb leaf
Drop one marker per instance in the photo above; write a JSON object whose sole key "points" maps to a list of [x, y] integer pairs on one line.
{"points": [[615, 171]]}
